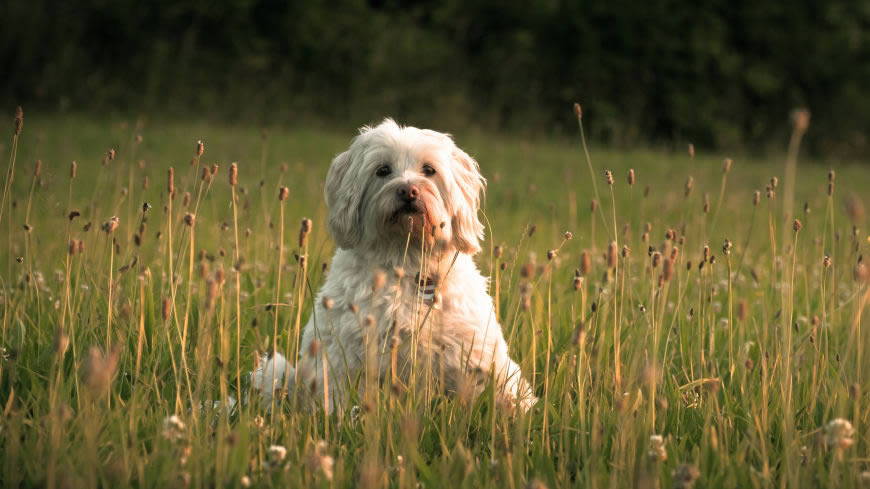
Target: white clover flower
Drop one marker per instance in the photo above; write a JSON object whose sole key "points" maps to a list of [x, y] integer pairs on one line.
{"points": [[320, 461], [656, 451], [275, 456], [684, 476], [173, 428], [838, 433]]}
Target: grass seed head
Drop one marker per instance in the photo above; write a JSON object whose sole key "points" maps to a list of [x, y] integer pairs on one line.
{"points": [[61, 342], [756, 197], [611, 255], [609, 176], [691, 151], [742, 310], [19, 121], [379, 279], [578, 111], [283, 193], [796, 225], [170, 181], [111, 225], [631, 176], [189, 219], [726, 166], [689, 184], [200, 148], [801, 120], [497, 252], [304, 231], [585, 263], [668, 270], [826, 261], [234, 174], [101, 368]]}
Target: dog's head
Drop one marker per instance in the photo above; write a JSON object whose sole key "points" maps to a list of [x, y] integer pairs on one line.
{"points": [[394, 181]]}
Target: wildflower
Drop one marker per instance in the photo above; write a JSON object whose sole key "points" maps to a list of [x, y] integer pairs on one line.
{"points": [[320, 461], [536, 484], [685, 476], [101, 368], [656, 451], [173, 428], [838, 433], [275, 457]]}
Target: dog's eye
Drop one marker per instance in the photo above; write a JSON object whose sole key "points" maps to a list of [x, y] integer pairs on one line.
{"points": [[428, 170], [383, 171]]}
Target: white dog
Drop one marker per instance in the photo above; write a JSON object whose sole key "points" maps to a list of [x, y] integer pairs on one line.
{"points": [[403, 301]]}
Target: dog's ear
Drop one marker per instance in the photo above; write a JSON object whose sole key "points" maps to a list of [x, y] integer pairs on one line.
{"points": [[343, 200], [467, 228]]}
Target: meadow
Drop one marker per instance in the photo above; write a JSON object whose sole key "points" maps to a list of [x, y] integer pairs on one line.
{"points": [[686, 318]]}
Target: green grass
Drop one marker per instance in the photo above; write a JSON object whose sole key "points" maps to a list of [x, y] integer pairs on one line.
{"points": [[739, 365]]}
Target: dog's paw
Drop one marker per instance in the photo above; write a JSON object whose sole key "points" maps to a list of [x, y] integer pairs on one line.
{"points": [[274, 376]]}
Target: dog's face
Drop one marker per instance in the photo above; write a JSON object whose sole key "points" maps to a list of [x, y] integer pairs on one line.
{"points": [[394, 181]]}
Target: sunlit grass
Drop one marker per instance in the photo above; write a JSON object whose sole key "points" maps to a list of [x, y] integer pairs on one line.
{"points": [[684, 331]]}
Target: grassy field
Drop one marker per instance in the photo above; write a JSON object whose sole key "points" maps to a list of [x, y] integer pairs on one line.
{"points": [[654, 366]]}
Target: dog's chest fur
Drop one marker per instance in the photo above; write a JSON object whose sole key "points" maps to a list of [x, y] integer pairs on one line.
{"points": [[398, 309]]}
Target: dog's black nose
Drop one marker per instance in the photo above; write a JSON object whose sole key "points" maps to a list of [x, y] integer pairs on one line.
{"points": [[408, 193]]}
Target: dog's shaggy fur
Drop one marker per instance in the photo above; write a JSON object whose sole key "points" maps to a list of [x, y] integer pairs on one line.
{"points": [[403, 208]]}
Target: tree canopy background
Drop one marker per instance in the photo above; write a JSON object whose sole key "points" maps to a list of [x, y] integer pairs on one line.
{"points": [[718, 73]]}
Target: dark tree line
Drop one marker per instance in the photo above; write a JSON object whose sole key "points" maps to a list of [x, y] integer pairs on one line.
{"points": [[717, 73]]}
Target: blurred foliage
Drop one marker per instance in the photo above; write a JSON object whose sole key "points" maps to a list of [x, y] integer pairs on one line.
{"points": [[718, 73]]}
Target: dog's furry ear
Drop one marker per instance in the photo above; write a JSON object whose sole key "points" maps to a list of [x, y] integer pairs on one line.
{"points": [[467, 228], [343, 200]]}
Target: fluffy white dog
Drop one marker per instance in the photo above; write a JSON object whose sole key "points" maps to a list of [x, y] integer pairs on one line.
{"points": [[404, 301]]}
